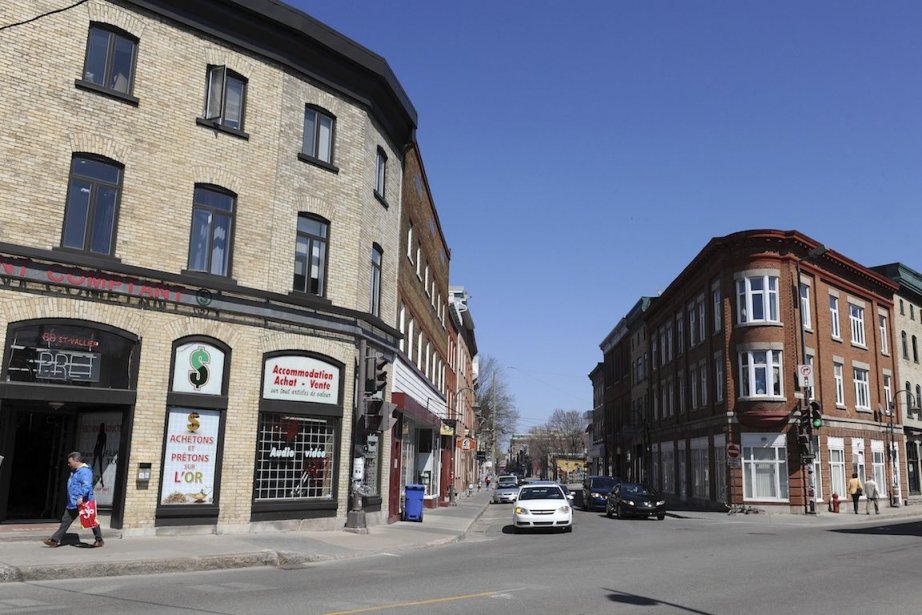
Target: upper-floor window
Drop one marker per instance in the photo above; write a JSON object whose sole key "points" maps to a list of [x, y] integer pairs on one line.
{"points": [[888, 389], [311, 255], [718, 377], [839, 376], [716, 305], [410, 242], [702, 322], [915, 349], [377, 256], [834, 316], [856, 317], [226, 97], [692, 326], [862, 388], [211, 235], [319, 128], [380, 173], [679, 333], [805, 306], [92, 205], [757, 299], [760, 373], [110, 59], [884, 334], [905, 343]]}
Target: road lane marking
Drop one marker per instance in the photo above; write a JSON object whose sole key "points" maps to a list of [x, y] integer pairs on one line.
{"points": [[398, 605]]}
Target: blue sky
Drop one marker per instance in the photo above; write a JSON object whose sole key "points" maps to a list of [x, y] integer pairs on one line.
{"points": [[581, 153]]}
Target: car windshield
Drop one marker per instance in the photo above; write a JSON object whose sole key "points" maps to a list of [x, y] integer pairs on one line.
{"points": [[634, 489], [541, 493], [602, 482], [509, 485]]}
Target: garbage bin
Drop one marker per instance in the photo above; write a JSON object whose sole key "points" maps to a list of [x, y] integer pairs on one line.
{"points": [[413, 503]]}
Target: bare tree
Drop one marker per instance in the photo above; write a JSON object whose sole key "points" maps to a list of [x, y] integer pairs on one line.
{"points": [[567, 429], [496, 405]]}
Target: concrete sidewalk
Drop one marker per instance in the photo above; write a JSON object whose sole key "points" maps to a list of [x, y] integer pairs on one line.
{"points": [[23, 557]]}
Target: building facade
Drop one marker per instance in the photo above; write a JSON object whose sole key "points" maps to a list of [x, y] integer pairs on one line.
{"points": [[463, 397], [726, 339], [199, 227]]}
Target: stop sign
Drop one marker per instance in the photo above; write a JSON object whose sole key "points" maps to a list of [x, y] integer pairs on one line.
{"points": [[733, 451]]}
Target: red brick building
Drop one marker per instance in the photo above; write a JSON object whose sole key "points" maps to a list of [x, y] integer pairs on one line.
{"points": [[726, 338]]}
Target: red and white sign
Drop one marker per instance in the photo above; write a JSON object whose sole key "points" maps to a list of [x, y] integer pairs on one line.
{"points": [[299, 378], [805, 376], [733, 451]]}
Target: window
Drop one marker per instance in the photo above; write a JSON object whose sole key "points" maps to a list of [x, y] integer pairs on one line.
{"points": [[92, 205], [377, 255], [884, 335], [702, 321], [402, 322], [877, 462], [311, 255], [862, 389], [805, 306], [110, 59], [834, 316], [838, 372], [837, 469], [312, 441], [760, 373], [856, 317], [212, 231], [680, 333], [700, 466], [410, 243], [703, 375], [858, 458], [718, 378], [693, 381], [765, 473], [905, 344], [757, 299], [319, 126], [915, 349], [692, 326], [716, 306], [225, 98], [380, 173], [888, 390]]}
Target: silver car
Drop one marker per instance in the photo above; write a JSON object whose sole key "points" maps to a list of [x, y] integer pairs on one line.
{"points": [[506, 491]]}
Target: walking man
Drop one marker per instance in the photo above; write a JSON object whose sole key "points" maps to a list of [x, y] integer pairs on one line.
{"points": [[79, 490], [871, 493]]}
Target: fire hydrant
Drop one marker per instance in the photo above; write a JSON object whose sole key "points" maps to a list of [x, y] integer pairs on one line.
{"points": [[834, 503]]}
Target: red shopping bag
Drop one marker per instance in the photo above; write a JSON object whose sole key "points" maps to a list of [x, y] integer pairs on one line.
{"points": [[88, 514]]}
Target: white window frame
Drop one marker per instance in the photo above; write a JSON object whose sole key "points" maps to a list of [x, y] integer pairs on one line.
{"points": [[751, 364], [882, 321], [836, 451], [856, 320], [766, 297], [716, 301], [702, 319], [834, 317], [765, 456], [862, 379], [838, 373], [805, 305]]}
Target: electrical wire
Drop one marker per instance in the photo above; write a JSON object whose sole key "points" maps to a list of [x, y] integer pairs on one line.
{"points": [[37, 17]]}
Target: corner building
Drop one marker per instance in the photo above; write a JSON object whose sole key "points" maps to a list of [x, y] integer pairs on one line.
{"points": [[199, 225], [726, 338]]}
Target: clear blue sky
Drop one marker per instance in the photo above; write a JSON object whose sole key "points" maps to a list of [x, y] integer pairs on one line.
{"points": [[581, 153]]}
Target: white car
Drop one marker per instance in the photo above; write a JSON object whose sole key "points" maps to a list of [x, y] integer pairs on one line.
{"points": [[542, 506]]}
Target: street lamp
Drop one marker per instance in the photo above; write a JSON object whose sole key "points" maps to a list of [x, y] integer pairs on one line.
{"points": [[894, 491], [806, 462]]}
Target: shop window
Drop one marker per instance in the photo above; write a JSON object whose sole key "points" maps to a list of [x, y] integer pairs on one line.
{"points": [[294, 458]]}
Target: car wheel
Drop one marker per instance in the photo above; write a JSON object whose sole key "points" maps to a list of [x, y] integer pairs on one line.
{"points": [[568, 529], [515, 529], [660, 517], [608, 511], [618, 512]]}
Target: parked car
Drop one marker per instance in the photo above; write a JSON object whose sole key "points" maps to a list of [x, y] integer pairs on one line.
{"points": [[635, 500], [542, 505], [506, 490], [596, 490]]}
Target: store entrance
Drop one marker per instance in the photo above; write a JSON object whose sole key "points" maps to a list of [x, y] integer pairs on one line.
{"points": [[37, 463]]}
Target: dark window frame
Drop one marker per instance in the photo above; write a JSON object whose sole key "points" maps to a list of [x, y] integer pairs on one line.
{"points": [[230, 238], [377, 270], [96, 183], [311, 156], [324, 266], [381, 176], [114, 33], [217, 118]]}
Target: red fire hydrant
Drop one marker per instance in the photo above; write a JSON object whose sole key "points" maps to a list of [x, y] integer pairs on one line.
{"points": [[834, 503]]}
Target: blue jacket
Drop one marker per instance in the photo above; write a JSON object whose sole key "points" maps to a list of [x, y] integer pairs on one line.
{"points": [[80, 485]]}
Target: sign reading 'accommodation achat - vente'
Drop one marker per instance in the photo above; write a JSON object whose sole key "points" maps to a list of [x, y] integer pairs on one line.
{"points": [[299, 378]]}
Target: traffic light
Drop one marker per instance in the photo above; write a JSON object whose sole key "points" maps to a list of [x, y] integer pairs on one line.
{"points": [[804, 420], [816, 415], [376, 376], [378, 415]]}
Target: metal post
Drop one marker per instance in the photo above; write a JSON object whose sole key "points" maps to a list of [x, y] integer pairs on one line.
{"points": [[355, 518]]}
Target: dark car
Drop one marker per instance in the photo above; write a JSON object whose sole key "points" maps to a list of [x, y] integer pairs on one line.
{"points": [[635, 500], [596, 490]]}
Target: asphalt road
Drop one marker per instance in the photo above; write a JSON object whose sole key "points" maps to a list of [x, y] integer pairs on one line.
{"points": [[714, 565]]}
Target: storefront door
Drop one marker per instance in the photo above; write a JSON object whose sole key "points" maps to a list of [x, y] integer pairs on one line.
{"points": [[37, 468]]}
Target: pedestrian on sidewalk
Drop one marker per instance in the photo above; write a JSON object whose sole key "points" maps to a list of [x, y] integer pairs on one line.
{"points": [[79, 490], [871, 492], [854, 490]]}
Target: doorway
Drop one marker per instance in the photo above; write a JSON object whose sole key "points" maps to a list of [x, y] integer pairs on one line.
{"points": [[37, 464]]}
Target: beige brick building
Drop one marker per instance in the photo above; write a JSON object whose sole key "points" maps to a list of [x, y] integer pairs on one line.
{"points": [[199, 224]]}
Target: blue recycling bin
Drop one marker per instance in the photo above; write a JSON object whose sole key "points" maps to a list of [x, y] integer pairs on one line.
{"points": [[413, 503]]}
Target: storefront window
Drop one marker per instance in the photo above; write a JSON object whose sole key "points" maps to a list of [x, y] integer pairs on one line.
{"points": [[294, 458], [189, 456]]}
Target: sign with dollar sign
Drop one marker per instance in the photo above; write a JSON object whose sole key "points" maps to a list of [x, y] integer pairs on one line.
{"points": [[198, 367]]}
